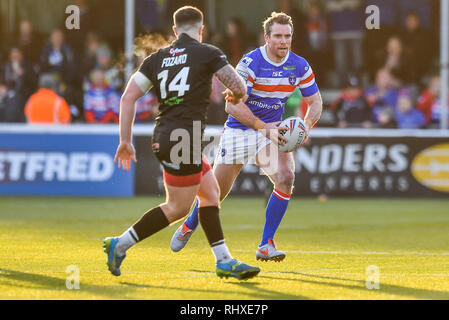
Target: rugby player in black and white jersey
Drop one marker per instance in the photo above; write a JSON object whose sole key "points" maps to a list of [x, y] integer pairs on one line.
{"points": [[181, 74]]}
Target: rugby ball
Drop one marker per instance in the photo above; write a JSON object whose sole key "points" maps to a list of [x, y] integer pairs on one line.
{"points": [[295, 134]]}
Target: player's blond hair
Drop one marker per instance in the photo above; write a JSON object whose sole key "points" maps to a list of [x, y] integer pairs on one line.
{"points": [[276, 17]]}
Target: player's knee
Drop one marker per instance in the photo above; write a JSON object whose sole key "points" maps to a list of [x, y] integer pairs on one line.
{"points": [[286, 179], [210, 198], [209, 202], [176, 211]]}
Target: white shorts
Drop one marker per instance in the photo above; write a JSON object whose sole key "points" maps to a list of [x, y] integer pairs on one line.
{"points": [[239, 146]]}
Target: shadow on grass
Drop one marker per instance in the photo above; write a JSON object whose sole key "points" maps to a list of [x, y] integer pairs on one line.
{"points": [[253, 288], [27, 280], [149, 286], [54, 283], [361, 285], [261, 293], [256, 292]]}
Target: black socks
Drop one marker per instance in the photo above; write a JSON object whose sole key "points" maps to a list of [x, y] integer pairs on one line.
{"points": [[150, 223], [210, 221]]}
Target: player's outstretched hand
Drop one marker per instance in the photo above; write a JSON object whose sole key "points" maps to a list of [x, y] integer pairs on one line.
{"points": [[125, 153], [229, 96], [273, 132]]}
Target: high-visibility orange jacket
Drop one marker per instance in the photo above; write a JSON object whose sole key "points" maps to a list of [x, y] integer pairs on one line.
{"points": [[45, 106]]}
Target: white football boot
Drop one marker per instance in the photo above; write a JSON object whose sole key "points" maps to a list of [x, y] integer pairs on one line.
{"points": [[268, 252], [181, 237]]}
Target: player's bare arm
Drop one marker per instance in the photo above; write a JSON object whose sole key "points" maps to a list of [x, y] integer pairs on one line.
{"points": [[136, 88], [235, 93], [242, 113], [314, 110], [235, 107], [231, 80]]}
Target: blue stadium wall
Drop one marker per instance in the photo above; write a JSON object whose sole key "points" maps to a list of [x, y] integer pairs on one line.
{"points": [[78, 161]]}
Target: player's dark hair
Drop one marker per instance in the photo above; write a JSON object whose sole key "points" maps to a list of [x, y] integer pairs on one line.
{"points": [[276, 17], [187, 15]]}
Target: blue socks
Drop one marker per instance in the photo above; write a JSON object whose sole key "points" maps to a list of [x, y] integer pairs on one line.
{"points": [[276, 208], [192, 219]]}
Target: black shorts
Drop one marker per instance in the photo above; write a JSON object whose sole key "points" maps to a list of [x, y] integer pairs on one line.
{"points": [[179, 158]]}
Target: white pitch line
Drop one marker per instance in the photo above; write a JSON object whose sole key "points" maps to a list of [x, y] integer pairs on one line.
{"points": [[374, 253], [364, 253], [325, 271]]}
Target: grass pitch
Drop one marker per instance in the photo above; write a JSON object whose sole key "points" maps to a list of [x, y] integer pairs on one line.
{"points": [[329, 247]]}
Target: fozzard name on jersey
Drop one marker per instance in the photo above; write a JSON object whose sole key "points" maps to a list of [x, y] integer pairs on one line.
{"points": [[174, 61]]}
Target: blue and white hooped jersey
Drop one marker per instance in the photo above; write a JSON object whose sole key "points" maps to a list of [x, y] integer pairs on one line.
{"points": [[270, 84]]}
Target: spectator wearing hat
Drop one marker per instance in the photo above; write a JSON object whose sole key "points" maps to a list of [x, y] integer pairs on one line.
{"points": [[351, 108], [407, 116], [45, 106]]}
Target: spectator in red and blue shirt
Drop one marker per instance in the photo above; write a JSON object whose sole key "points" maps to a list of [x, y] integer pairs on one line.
{"points": [[100, 100]]}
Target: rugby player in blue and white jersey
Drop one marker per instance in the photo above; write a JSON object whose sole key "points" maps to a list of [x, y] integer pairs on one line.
{"points": [[272, 72]]}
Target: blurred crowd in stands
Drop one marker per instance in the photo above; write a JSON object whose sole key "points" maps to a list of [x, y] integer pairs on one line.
{"points": [[385, 78]]}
